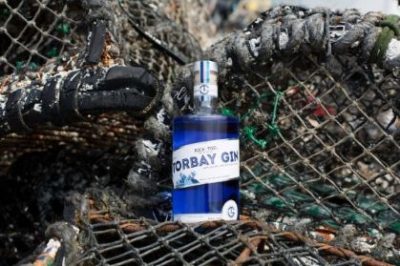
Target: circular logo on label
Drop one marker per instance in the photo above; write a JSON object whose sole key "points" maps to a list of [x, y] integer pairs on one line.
{"points": [[203, 89], [230, 210]]}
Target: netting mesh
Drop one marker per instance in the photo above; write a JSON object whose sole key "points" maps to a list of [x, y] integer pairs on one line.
{"points": [[320, 141], [334, 151], [34, 31]]}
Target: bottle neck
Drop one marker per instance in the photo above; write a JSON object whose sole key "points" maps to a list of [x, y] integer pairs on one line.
{"points": [[205, 91], [205, 105]]}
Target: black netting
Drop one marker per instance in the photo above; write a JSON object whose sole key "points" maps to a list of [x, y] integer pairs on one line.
{"points": [[34, 31]]}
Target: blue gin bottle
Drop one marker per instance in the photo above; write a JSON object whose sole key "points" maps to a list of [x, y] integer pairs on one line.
{"points": [[206, 164]]}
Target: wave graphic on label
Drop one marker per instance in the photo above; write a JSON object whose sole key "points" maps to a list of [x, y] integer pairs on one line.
{"points": [[206, 162]]}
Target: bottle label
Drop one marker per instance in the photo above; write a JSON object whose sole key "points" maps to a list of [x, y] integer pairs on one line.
{"points": [[204, 89], [206, 162], [229, 212]]}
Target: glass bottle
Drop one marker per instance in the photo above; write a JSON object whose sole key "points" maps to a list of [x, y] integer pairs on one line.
{"points": [[206, 159]]}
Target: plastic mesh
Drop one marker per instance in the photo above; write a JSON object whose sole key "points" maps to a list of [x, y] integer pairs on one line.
{"points": [[34, 31]]}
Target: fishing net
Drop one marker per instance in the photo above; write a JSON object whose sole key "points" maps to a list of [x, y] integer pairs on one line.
{"points": [[32, 32], [317, 96]]}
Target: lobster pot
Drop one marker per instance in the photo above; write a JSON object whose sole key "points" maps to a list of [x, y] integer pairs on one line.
{"points": [[320, 140], [88, 90]]}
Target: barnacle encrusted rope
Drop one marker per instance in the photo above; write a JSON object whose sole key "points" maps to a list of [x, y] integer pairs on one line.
{"points": [[283, 32], [64, 99], [286, 31]]}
